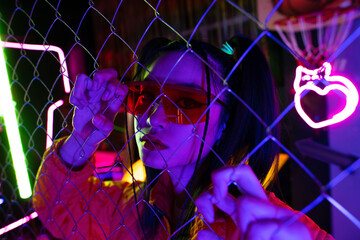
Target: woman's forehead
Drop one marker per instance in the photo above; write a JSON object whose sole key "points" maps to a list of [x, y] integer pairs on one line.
{"points": [[179, 68]]}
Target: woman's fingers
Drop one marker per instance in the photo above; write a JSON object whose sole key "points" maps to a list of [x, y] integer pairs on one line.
{"points": [[101, 95], [221, 179], [78, 96], [242, 176], [103, 76], [112, 97], [115, 95], [207, 235], [295, 231], [250, 209], [102, 81], [98, 100], [270, 229], [254, 215], [259, 219], [103, 127], [264, 230], [204, 204], [89, 90]]}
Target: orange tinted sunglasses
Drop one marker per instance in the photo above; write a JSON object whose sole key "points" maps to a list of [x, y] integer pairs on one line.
{"points": [[182, 105]]}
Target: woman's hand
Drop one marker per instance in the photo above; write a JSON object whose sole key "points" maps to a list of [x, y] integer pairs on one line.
{"points": [[254, 215], [96, 102]]}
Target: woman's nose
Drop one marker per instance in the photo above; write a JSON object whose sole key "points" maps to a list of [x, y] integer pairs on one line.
{"points": [[157, 116]]}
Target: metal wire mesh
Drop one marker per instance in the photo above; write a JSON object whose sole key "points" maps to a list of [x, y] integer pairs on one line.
{"points": [[95, 35]]}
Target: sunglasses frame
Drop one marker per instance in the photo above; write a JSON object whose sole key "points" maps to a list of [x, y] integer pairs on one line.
{"points": [[132, 87]]}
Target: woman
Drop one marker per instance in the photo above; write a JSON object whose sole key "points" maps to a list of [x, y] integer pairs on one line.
{"points": [[195, 111]]}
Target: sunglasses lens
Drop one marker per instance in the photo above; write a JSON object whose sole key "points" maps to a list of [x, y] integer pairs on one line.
{"points": [[140, 98], [182, 106]]}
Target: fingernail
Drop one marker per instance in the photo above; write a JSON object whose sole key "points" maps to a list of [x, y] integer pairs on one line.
{"points": [[210, 217]]}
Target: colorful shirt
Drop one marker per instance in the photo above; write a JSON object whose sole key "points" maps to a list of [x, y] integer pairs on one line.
{"points": [[77, 205]]}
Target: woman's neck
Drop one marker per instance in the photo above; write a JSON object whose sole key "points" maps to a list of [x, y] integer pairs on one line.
{"points": [[181, 176]]}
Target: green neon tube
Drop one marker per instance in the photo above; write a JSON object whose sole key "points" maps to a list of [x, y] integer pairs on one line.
{"points": [[12, 130]]}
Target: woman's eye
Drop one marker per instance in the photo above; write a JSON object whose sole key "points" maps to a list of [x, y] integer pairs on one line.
{"points": [[187, 103]]}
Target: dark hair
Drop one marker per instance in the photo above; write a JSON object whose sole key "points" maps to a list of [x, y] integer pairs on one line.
{"points": [[250, 92]]}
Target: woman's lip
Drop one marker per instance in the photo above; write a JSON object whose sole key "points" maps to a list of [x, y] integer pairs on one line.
{"points": [[152, 143]]}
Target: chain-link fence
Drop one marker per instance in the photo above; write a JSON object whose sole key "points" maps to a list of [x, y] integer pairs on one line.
{"points": [[47, 44]]}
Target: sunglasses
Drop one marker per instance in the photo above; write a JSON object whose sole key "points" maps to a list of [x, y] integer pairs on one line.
{"points": [[182, 105]]}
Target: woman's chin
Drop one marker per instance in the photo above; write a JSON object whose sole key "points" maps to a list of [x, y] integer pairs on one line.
{"points": [[157, 163]]}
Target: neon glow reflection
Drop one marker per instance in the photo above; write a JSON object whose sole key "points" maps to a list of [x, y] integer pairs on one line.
{"points": [[334, 83]]}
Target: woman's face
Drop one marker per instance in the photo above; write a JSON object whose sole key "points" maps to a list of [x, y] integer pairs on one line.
{"points": [[163, 143]]}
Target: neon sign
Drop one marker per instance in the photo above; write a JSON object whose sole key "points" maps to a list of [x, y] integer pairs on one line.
{"points": [[41, 47], [18, 223], [333, 83], [50, 122], [9, 113]]}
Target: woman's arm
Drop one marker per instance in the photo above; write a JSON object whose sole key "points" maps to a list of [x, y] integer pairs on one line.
{"points": [[72, 202], [96, 102]]}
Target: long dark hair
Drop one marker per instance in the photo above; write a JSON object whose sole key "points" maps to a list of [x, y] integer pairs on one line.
{"points": [[250, 90]]}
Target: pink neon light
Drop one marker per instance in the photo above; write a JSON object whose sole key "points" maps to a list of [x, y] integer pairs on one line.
{"points": [[18, 223], [50, 112], [339, 83], [41, 47], [64, 70], [50, 122]]}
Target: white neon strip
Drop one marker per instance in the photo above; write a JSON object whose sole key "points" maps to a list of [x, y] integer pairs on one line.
{"points": [[18, 223], [50, 121], [41, 47], [12, 130]]}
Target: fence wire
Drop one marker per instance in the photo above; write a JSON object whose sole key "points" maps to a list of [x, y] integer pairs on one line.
{"points": [[54, 41]]}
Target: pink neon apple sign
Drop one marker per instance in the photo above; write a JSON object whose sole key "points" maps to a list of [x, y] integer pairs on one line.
{"points": [[338, 83]]}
